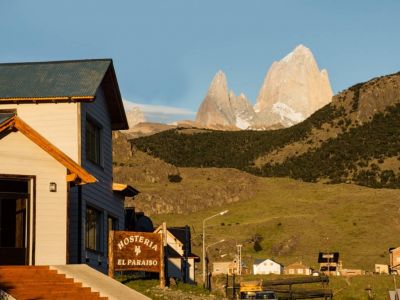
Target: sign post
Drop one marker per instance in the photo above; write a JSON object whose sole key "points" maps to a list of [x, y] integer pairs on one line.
{"points": [[110, 254], [162, 263]]}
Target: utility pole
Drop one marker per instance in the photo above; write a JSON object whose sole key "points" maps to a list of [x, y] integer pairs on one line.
{"points": [[239, 260], [204, 242]]}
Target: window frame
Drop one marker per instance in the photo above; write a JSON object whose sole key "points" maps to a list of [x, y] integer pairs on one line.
{"points": [[93, 141], [96, 244]]}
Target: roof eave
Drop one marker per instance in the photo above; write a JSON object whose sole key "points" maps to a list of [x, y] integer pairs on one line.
{"points": [[114, 99], [124, 189], [53, 99]]}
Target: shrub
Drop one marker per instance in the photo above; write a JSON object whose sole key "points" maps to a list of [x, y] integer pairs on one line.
{"points": [[175, 178]]}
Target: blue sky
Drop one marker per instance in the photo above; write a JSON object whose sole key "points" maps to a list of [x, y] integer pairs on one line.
{"points": [[167, 52]]}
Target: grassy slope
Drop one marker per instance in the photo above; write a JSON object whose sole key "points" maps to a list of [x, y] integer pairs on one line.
{"points": [[297, 220]]}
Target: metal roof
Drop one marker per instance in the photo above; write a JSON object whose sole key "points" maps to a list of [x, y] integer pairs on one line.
{"points": [[76, 78], [261, 260], [63, 81]]}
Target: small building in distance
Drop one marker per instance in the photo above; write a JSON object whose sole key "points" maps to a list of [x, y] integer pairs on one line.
{"points": [[329, 263], [267, 266], [181, 260], [381, 269], [297, 268], [394, 264], [225, 267]]}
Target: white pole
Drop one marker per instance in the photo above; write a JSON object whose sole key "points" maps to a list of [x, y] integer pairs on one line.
{"points": [[204, 242], [204, 253]]}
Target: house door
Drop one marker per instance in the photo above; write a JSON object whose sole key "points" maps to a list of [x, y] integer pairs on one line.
{"points": [[14, 207]]}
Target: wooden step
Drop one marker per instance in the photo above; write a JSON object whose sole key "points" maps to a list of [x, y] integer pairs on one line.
{"points": [[39, 282]]}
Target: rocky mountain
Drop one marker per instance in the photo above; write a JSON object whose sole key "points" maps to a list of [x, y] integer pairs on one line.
{"points": [[243, 111], [216, 108], [135, 116], [222, 109], [353, 139], [293, 89]]}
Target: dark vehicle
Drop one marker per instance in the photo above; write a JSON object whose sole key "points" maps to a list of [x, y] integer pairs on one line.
{"points": [[259, 295], [265, 295]]}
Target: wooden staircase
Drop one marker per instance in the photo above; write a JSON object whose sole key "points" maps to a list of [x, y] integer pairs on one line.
{"points": [[39, 282]]}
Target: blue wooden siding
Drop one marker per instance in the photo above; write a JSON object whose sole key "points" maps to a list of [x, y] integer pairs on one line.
{"points": [[97, 195]]}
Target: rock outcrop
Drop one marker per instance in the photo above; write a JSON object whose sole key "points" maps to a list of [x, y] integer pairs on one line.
{"points": [[222, 108], [216, 108], [293, 89], [243, 111]]}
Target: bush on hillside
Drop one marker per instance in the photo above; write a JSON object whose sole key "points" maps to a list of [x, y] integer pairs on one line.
{"points": [[175, 178]]}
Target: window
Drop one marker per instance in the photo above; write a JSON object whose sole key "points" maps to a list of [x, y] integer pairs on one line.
{"points": [[93, 229], [93, 142]]}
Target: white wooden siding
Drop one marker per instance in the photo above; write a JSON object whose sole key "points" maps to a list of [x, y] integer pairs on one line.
{"points": [[57, 122], [20, 156], [267, 267]]}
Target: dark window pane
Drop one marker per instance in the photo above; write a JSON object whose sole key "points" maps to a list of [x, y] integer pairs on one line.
{"points": [[93, 229], [13, 186], [93, 142]]}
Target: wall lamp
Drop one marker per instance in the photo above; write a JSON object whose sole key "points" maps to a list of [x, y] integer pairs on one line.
{"points": [[53, 187]]}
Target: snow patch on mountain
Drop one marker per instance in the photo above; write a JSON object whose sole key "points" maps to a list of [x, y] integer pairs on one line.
{"points": [[241, 123], [285, 112]]}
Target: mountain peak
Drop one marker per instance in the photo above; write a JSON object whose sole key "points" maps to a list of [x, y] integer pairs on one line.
{"points": [[300, 51], [295, 83], [293, 89], [219, 76], [219, 83], [301, 48]]}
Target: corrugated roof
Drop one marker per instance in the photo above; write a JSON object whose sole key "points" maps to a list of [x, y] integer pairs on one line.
{"points": [[261, 260], [297, 265], [63, 81], [76, 78]]}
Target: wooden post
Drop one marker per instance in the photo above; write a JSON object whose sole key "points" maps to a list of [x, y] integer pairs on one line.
{"points": [[162, 255], [233, 286], [226, 285], [111, 254]]}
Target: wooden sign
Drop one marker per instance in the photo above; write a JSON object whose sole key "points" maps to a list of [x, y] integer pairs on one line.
{"points": [[138, 251]]}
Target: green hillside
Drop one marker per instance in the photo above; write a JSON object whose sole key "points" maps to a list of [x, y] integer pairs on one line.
{"points": [[227, 149], [351, 153], [290, 221]]}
